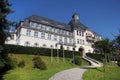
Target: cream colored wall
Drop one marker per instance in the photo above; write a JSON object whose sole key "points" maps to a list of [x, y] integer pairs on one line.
{"points": [[23, 38]]}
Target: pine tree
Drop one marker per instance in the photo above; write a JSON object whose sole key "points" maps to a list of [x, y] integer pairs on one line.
{"points": [[4, 24]]}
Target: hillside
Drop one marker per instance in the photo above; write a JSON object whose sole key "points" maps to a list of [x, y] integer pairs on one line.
{"points": [[30, 73]]}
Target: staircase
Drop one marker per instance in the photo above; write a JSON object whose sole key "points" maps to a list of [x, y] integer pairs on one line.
{"points": [[93, 62]]}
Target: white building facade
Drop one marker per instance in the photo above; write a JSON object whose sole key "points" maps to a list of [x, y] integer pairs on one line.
{"points": [[37, 31]]}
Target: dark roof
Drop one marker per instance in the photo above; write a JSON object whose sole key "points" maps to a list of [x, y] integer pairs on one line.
{"points": [[77, 25], [49, 22]]}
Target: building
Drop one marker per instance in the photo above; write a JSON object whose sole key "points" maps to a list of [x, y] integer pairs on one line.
{"points": [[37, 31]]}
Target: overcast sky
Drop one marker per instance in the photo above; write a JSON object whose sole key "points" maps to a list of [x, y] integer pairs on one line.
{"points": [[102, 16]]}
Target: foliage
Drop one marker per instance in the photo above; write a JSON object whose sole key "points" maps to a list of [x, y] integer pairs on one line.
{"points": [[21, 64], [1, 63], [104, 46], [36, 51], [12, 62], [78, 60], [98, 57], [4, 25], [38, 63], [117, 47]]}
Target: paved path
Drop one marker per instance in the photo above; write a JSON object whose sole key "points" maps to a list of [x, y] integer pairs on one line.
{"points": [[75, 73], [70, 74]]}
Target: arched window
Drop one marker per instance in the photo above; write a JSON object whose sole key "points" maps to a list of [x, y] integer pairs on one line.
{"points": [[44, 45], [51, 46], [67, 48], [36, 44], [27, 43]]}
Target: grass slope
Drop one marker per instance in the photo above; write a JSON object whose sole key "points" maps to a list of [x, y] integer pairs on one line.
{"points": [[29, 73], [112, 73]]}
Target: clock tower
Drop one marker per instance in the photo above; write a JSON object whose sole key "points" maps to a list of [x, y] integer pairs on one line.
{"points": [[75, 17]]}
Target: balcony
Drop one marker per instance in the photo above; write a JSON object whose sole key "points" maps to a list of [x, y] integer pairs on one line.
{"points": [[90, 38]]}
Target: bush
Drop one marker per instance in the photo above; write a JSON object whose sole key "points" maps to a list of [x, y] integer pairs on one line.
{"points": [[12, 62], [1, 64], [118, 60], [21, 64], [38, 63], [78, 60]]}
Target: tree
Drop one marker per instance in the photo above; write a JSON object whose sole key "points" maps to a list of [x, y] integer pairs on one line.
{"points": [[4, 24], [117, 47], [106, 47]]}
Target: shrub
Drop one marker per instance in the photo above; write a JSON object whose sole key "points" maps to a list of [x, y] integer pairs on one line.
{"points": [[78, 60], [118, 60], [12, 62], [38, 63], [36, 51], [1, 64], [21, 64]]}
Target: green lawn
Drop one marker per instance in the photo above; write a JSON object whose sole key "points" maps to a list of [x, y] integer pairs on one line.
{"points": [[112, 73], [29, 73]]}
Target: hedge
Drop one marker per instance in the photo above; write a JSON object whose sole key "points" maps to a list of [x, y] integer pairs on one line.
{"points": [[98, 57], [17, 49]]}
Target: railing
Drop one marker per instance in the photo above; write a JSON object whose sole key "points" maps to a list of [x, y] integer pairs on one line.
{"points": [[92, 59]]}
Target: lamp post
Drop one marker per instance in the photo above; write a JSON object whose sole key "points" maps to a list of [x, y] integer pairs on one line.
{"points": [[63, 55], [51, 53], [57, 53], [74, 53]]}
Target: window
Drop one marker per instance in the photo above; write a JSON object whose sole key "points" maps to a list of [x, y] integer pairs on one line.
{"points": [[70, 40], [43, 35], [51, 46], [83, 42], [33, 24], [43, 27], [12, 37], [27, 43], [65, 32], [65, 40], [35, 34], [39, 26], [28, 32], [60, 31], [77, 32], [44, 45], [49, 36], [36, 44], [70, 34], [78, 41], [55, 37], [60, 38], [89, 51], [67, 48], [47, 28], [82, 33], [56, 30], [52, 29]]}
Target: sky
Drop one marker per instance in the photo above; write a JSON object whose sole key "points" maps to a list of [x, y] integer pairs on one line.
{"points": [[101, 16]]}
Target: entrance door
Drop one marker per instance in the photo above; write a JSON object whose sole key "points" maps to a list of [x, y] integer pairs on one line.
{"points": [[82, 51]]}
